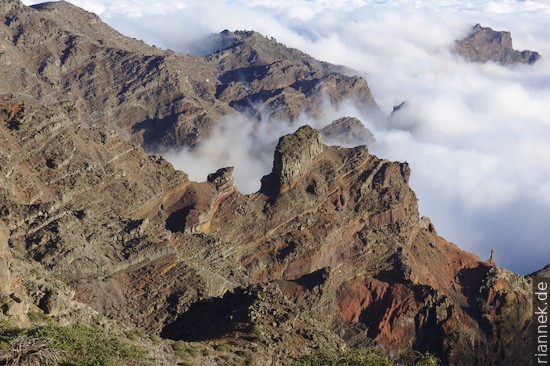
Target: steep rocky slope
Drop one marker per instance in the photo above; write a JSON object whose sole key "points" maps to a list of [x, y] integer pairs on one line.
{"points": [[340, 234], [56, 51], [330, 253], [485, 44], [334, 231]]}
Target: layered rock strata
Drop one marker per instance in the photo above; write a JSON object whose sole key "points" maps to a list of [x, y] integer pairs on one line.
{"points": [[55, 51]]}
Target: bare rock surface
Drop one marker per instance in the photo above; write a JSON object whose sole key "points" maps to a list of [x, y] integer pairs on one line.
{"points": [[158, 98], [347, 131], [338, 234], [330, 253], [485, 44]]}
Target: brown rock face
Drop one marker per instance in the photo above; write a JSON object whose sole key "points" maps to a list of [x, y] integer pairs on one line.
{"points": [[5, 275], [339, 235], [9, 5], [485, 44], [330, 250], [223, 179], [71, 198], [293, 156], [347, 131], [160, 99], [345, 237], [543, 272]]}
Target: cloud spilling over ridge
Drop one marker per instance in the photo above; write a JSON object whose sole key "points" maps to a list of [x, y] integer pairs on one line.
{"points": [[248, 145], [477, 136], [236, 141]]}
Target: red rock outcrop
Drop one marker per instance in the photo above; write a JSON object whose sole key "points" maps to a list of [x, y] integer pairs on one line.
{"points": [[330, 250], [341, 234], [336, 229]]}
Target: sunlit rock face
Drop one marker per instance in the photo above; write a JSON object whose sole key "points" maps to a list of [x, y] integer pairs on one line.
{"points": [[332, 249], [485, 44]]}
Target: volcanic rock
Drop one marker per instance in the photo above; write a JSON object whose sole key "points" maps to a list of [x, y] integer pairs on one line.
{"points": [[358, 247], [222, 179], [338, 231], [5, 286], [485, 44], [347, 131], [9, 5], [158, 98], [331, 250], [294, 155]]}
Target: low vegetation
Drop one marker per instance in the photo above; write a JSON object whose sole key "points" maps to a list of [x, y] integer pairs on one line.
{"points": [[357, 357], [183, 350], [224, 348], [74, 345], [345, 358]]}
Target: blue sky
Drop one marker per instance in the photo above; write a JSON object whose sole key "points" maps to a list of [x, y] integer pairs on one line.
{"points": [[477, 137]]}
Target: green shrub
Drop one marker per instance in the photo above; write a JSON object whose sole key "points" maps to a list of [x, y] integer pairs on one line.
{"points": [[4, 347], [426, 359], [37, 317], [224, 348], [76, 345], [345, 358], [183, 350], [356, 357], [5, 325], [134, 335], [155, 339]]}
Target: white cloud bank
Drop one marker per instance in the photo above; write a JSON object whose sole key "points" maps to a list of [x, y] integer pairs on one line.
{"points": [[477, 136]]}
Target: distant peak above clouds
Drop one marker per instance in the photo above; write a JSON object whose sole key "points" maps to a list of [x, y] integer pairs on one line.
{"points": [[485, 44]]}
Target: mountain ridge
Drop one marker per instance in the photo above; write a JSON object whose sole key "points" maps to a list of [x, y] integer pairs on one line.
{"points": [[330, 253], [196, 91]]}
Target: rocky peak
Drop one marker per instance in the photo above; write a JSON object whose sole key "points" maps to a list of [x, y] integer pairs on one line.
{"points": [[347, 131], [257, 49], [293, 156], [484, 44], [541, 273], [222, 179]]}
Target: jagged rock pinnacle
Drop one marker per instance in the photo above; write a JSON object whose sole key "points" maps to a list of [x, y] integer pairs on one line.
{"points": [[222, 179], [293, 155]]}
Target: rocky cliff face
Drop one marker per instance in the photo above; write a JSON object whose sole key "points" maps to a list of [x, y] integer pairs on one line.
{"points": [[330, 253], [336, 231], [344, 238], [485, 44]]}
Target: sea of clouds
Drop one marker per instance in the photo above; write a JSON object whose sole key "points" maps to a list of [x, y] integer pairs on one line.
{"points": [[477, 137]]}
